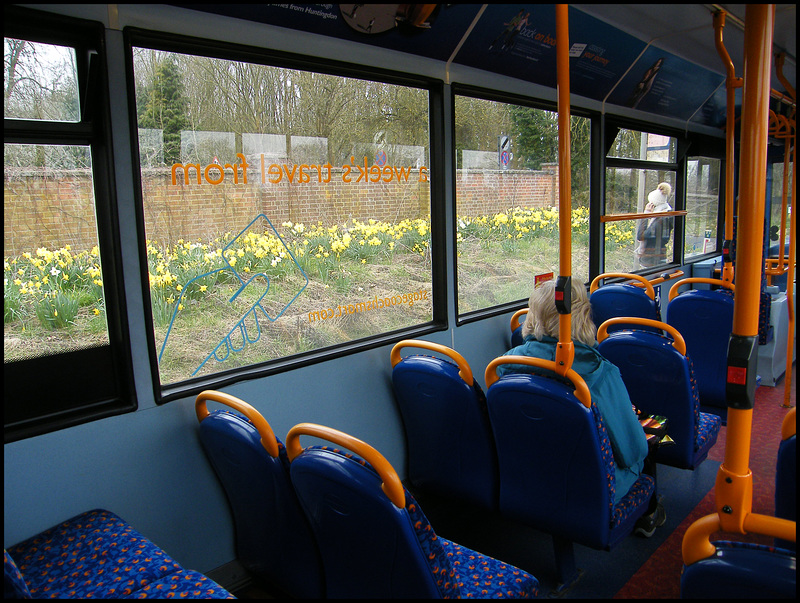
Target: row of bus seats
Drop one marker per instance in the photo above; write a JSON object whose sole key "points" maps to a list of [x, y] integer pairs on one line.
{"points": [[703, 317], [488, 449], [335, 521]]}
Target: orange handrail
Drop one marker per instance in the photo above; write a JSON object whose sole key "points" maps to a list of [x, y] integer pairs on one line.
{"points": [[515, 322], [678, 341], [648, 287], [581, 389], [465, 372], [391, 486], [673, 291], [268, 440]]}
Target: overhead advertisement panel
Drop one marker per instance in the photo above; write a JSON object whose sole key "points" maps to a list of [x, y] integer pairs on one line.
{"points": [[517, 41]]}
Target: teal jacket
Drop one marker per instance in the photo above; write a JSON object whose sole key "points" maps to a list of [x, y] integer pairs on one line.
{"points": [[609, 394]]}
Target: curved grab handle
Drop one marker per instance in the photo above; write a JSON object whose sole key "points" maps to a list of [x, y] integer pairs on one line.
{"points": [[391, 486], [465, 372], [677, 339], [581, 389], [673, 291], [789, 424], [648, 288], [268, 440], [515, 322], [697, 545]]}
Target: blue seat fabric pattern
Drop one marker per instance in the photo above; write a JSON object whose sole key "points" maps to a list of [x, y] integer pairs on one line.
{"points": [[451, 449], [439, 569], [272, 536], [98, 555], [661, 381], [549, 442]]}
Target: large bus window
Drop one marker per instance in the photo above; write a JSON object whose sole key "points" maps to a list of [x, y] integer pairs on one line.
{"points": [[702, 205], [507, 200], [640, 170], [286, 211], [62, 308]]}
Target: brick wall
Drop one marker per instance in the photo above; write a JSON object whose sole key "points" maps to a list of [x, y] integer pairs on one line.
{"points": [[55, 209]]}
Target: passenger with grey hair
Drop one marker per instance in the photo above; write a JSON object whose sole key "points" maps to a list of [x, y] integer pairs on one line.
{"points": [[628, 440]]}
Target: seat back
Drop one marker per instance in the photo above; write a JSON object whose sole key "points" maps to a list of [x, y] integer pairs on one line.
{"points": [[555, 458], [705, 319], [786, 475], [358, 511], [660, 381], [273, 538], [739, 570], [449, 439], [621, 299]]}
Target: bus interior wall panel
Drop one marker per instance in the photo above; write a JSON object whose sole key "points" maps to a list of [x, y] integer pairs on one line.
{"points": [[148, 466]]}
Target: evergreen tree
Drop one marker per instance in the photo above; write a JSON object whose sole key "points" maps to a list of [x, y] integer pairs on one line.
{"points": [[165, 107]]}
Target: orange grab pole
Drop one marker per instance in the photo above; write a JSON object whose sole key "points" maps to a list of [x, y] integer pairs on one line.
{"points": [[734, 485], [565, 350], [731, 83]]}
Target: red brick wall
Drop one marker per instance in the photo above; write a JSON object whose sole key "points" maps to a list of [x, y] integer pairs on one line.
{"points": [[56, 209]]}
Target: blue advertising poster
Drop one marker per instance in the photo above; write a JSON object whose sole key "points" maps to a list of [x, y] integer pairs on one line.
{"points": [[519, 41], [651, 85], [430, 30]]}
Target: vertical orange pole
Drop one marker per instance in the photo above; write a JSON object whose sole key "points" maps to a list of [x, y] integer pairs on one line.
{"points": [[734, 485], [731, 83], [565, 352]]}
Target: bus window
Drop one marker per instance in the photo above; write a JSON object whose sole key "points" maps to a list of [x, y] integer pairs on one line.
{"points": [[286, 211], [702, 205], [507, 199], [637, 163], [61, 286]]}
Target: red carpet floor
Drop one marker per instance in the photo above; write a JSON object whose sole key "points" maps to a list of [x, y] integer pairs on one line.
{"points": [[659, 577]]}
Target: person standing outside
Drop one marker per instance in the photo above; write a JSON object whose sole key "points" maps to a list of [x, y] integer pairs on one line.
{"points": [[653, 234]]}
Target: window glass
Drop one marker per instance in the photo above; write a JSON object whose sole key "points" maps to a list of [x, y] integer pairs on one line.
{"points": [[285, 211], [507, 200], [702, 205], [40, 81], [776, 207], [52, 278], [631, 244], [633, 144]]}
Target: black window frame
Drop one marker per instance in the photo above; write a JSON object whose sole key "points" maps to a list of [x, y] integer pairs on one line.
{"points": [[611, 128], [168, 42], [53, 392], [458, 89]]}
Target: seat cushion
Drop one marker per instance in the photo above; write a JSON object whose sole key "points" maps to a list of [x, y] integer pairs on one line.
{"points": [[183, 584], [461, 572], [95, 554]]}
